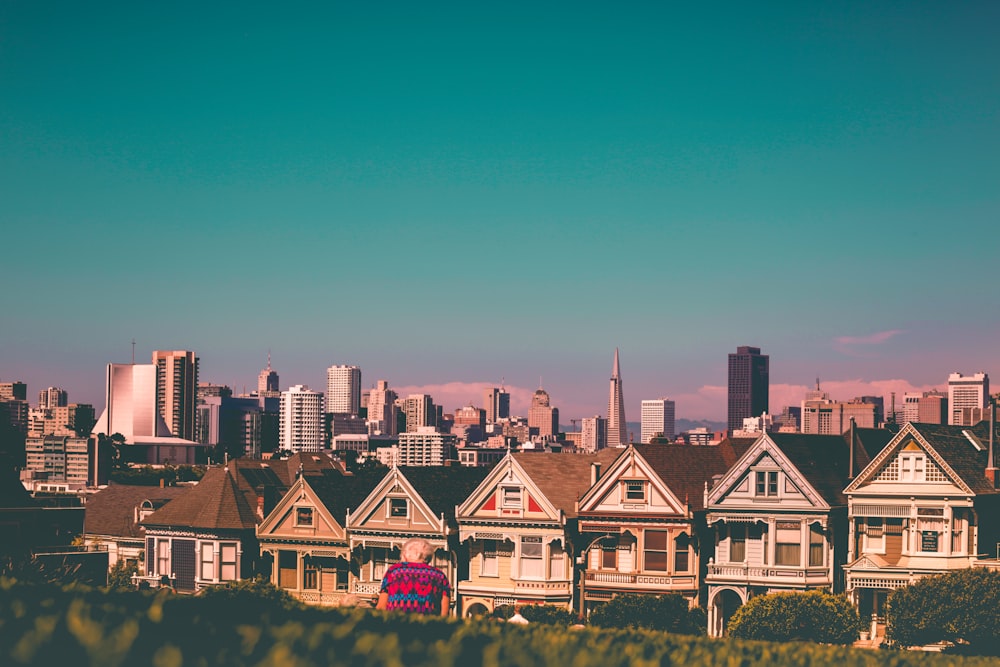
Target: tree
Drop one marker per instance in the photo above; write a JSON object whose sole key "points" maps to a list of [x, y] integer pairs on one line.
{"points": [[958, 607], [815, 616], [669, 613], [120, 575]]}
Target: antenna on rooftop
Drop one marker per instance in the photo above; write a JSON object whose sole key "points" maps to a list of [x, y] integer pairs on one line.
{"points": [[133, 351]]}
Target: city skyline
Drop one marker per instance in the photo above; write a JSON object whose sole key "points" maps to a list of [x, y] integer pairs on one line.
{"points": [[443, 195]]}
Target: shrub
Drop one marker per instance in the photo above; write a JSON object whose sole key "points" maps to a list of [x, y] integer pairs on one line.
{"points": [[815, 616], [958, 607], [256, 591], [120, 575], [547, 613], [669, 613]]}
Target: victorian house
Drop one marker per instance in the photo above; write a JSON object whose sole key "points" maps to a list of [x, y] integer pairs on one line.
{"points": [[777, 520], [927, 504], [642, 517], [519, 525], [411, 502]]}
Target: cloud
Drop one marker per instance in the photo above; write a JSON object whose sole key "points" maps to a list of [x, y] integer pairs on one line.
{"points": [[871, 339]]}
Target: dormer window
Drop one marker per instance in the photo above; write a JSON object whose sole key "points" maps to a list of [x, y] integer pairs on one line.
{"points": [[767, 483], [303, 516], [510, 497], [399, 508], [635, 490], [912, 466]]}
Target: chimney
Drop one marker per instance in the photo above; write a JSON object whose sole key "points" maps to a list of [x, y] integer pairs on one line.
{"points": [[850, 455], [991, 466], [595, 472]]}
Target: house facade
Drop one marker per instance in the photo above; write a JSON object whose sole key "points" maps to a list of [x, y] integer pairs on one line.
{"points": [[927, 504]]}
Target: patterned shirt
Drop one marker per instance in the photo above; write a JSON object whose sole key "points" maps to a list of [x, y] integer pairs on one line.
{"points": [[415, 587]]}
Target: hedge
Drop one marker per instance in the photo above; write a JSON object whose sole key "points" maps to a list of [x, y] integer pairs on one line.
{"points": [[815, 616], [46, 625]]}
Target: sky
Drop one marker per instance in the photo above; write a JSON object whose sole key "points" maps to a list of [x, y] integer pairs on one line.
{"points": [[453, 194]]}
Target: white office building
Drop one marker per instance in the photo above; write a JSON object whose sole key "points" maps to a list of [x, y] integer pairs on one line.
{"points": [[657, 419], [593, 434], [343, 389], [965, 392], [425, 447], [301, 420]]}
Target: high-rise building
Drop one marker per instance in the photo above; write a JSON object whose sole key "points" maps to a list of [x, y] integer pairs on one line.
{"points": [[301, 423], [617, 429], [966, 392], [419, 410], [130, 407], [267, 381], [343, 389], [593, 434], [177, 390], [382, 409], [497, 403], [824, 416], [541, 414], [13, 391], [52, 397], [929, 407], [657, 419], [748, 385], [424, 446]]}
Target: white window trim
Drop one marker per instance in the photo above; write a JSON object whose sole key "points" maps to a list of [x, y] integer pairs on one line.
{"points": [[388, 507], [312, 515]]}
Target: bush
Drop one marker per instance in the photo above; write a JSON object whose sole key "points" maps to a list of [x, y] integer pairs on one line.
{"points": [[958, 607], [256, 591], [815, 616], [668, 613], [120, 575]]}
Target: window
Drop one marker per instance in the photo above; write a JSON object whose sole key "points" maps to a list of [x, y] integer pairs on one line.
{"points": [[816, 544], [682, 556], [303, 516], [163, 557], [288, 562], [737, 544], [207, 562], [557, 562], [654, 551], [490, 559], [912, 467], [310, 575], [511, 497], [380, 559], [767, 483], [635, 490], [875, 535], [930, 525], [957, 528], [399, 508], [609, 554], [532, 550], [227, 566], [788, 543]]}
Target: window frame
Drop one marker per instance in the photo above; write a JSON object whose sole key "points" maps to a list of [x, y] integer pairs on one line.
{"points": [[225, 563], [654, 550], [206, 566], [511, 497], [536, 559], [490, 566], [740, 540], [393, 509], [302, 511], [634, 490]]}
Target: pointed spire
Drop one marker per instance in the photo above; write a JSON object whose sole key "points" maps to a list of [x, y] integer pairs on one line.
{"points": [[616, 370], [269, 359]]}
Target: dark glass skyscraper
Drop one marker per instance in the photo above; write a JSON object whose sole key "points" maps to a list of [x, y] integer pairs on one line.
{"points": [[748, 385]]}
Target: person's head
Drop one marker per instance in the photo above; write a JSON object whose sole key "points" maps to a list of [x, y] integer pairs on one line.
{"points": [[416, 550]]}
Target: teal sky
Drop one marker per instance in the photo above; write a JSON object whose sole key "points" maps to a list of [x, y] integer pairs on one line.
{"points": [[459, 192]]}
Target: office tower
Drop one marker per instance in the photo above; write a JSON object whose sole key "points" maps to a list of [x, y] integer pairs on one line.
{"points": [[419, 410], [52, 397], [13, 391], [657, 419], [382, 409], [748, 385], [542, 416], [497, 403], [301, 422], [617, 430], [343, 389], [423, 446], [177, 390], [966, 392], [593, 434], [267, 380], [130, 407], [470, 415], [929, 407], [61, 458], [827, 417]]}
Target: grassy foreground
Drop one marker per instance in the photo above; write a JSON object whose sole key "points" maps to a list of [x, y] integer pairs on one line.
{"points": [[49, 625]]}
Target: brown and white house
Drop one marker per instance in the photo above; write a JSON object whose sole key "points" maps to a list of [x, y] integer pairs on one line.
{"points": [[927, 504], [410, 502], [777, 519], [642, 518], [519, 525]]}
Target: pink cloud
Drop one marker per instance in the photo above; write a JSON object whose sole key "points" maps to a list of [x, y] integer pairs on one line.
{"points": [[871, 339]]}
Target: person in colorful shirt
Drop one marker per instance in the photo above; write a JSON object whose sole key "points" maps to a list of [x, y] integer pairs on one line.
{"points": [[414, 585]]}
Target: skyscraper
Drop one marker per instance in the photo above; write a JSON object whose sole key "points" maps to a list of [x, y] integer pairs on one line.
{"points": [[343, 389], [131, 403], [52, 397], [657, 419], [419, 410], [177, 390], [593, 434], [748, 385], [382, 409], [542, 415], [301, 424], [617, 430], [964, 392], [497, 403], [267, 381]]}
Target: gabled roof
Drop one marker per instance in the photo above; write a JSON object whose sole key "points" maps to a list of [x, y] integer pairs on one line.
{"points": [[686, 468], [563, 478], [340, 492], [216, 502], [443, 488], [823, 460], [111, 511]]}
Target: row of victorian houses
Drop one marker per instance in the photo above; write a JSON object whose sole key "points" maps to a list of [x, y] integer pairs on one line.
{"points": [[863, 514]]}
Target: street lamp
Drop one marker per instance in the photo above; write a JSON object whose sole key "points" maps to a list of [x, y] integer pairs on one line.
{"points": [[582, 560]]}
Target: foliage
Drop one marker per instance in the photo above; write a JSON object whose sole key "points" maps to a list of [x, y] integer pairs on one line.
{"points": [[252, 592], [815, 616], [120, 575], [669, 613], [12, 453], [49, 625], [958, 607], [149, 476], [537, 613]]}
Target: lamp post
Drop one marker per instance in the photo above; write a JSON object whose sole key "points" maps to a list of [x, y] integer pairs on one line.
{"points": [[582, 560]]}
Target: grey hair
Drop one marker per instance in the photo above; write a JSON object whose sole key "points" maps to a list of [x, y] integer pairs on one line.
{"points": [[416, 550]]}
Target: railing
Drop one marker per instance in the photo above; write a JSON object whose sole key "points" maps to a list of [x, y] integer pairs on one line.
{"points": [[320, 598], [638, 579], [366, 587], [780, 573]]}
